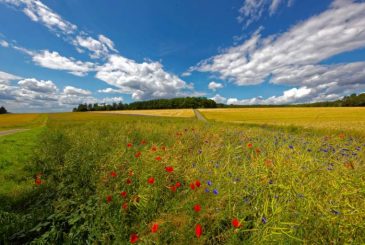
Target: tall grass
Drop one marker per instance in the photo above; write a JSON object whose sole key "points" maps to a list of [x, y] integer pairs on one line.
{"points": [[283, 187]]}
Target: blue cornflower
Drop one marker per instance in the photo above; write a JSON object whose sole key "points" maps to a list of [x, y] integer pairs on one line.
{"points": [[207, 190], [291, 147], [215, 191], [264, 220], [209, 182]]}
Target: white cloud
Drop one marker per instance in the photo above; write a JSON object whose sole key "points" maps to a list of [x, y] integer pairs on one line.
{"points": [[40, 86], [146, 80], [252, 10], [53, 60], [38, 12], [4, 44], [98, 48], [214, 85], [5, 77], [219, 99], [70, 90]]}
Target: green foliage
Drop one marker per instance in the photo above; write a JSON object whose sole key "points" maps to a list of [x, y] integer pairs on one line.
{"points": [[290, 186], [175, 103], [3, 110]]}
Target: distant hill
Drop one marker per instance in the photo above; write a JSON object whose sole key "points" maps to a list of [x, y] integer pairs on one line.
{"points": [[202, 102]]}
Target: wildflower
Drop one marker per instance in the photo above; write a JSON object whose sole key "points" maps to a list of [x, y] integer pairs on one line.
{"points": [[151, 180], [178, 184], [268, 163], [169, 169], [257, 150], [197, 208], [158, 158], [236, 223], [197, 183], [38, 181], [138, 154], [198, 230], [264, 220], [192, 186], [154, 148], [207, 190], [291, 147], [342, 136], [143, 142], [129, 181], [349, 165], [215, 191], [209, 182], [125, 206], [131, 173], [109, 199], [163, 148], [113, 174], [129, 145], [133, 238], [154, 228], [249, 145], [173, 188], [123, 194]]}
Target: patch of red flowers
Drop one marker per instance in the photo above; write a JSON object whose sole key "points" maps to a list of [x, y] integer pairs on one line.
{"points": [[173, 188], [198, 230], [133, 238], [163, 148], [113, 174], [236, 223], [38, 181], [169, 169], [143, 142], [154, 228], [138, 154], [151, 180], [249, 145], [192, 186], [178, 184], [197, 208], [109, 199], [197, 183], [129, 145], [154, 148], [129, 181], [158, 158], [123, 194], [125, 206]]}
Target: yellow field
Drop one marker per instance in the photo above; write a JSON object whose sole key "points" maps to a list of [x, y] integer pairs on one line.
{"points": [[162, 112], [10, 121], [340, 118]]}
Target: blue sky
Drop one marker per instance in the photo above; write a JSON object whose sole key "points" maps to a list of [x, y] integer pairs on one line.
{"points": [[57, 54]]}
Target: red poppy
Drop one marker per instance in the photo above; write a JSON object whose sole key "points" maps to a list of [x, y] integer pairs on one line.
{"points": [[138, 154], [129, 145], [134, 238], [158, 158], [151, 180], [38, 181], [143, 142], [125, 206], [169, 169], [154, 228], [197, 208], [109, 199], [236, 223], [113, 174], [123, 194], [192, 186], [129, 181], [198, 230], [163, 148], [173, 188], [197, 183], [249, 145], [154, 148], [178, 184]]}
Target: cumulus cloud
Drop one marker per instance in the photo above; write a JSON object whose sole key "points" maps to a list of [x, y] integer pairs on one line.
{"points": [[252, 10], [293, 58], [98, 48], [146, 80], [219, 99], [38, 12], [41, 86], [214, 85], [53, 60], [5, 77], [4, 44]]}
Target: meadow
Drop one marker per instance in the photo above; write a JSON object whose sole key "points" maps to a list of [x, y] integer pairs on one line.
{"points": [[161, 112], [334, 118], [120, 179]]}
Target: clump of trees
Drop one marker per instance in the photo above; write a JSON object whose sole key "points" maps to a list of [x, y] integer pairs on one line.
{"points": [[175, 103], [3, 110]]}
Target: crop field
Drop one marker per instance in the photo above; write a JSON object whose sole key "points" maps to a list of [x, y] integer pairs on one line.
{"points": [[11, 121], [161, 113], [337, 118], [95, 178]]}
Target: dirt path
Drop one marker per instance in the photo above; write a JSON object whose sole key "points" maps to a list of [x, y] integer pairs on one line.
{"points": [[12, 131], [199, 116]]}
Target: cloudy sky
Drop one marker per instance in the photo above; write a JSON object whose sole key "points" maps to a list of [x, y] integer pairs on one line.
{"points": [[56, 54]]}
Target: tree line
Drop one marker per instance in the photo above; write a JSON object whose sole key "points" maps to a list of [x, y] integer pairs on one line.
{"points": [[175, 103], [3, 110]]}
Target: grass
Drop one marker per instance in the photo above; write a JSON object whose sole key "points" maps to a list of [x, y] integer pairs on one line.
{"points": [[161, 112], [334, 118], [12, 121], [283, 186]]}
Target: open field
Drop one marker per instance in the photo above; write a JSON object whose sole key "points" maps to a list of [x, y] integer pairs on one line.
{"points": [[106, 178], [338, 118], [11, 121], [161, 112]]}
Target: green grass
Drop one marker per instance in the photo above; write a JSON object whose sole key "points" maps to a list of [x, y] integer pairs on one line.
{"points": [[289, 187]]}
